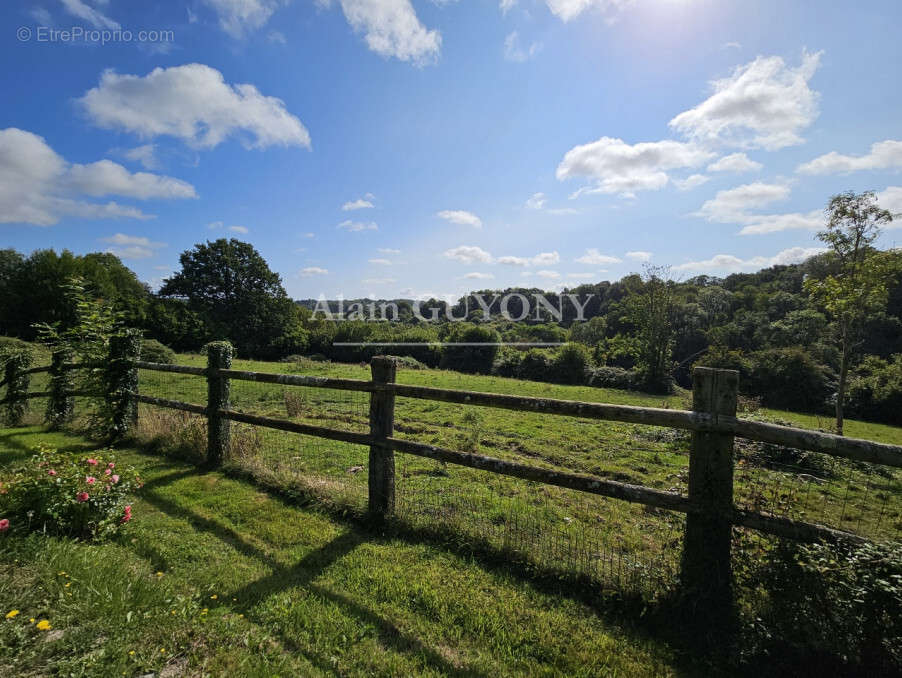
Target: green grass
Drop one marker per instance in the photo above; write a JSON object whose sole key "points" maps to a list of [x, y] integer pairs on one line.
{"points": [[216, 577]]}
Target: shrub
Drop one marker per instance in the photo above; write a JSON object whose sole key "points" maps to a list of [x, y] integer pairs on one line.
{"points": [[70, 495], [536, 365], [507, 363], [787, 378], [477, 359], [612, 377], [154, 352], [570, 364], [876, 391], [843, 601]]}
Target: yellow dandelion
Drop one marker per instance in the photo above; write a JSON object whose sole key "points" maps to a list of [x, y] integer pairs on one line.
{"points": [[68, 584], [31, 621], [162, 650], [12, 614], [159, 574], [44, 625], [131, 652], [213, 597]]}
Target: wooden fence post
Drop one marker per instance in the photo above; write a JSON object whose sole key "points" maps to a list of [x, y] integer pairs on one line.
{"points": [[706, 568], [219, 357], [122, 381], [60, 404], [382, 425]]}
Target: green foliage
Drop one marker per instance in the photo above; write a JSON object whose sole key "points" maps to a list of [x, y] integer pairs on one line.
{"points": [[15, 361], [787, 378], [72, 495], [476, 359], [571, 364], [612, 377], [60, 404], [153, 351], [875, 393], [120, 382], [834, 600], [651, 310], [230, 286]]}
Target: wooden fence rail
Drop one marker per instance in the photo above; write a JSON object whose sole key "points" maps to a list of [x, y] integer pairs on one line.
{"points": [[709, 506]]}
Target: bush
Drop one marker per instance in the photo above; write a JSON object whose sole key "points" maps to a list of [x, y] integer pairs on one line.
{"points": [[570, 364], [154, 352], [787, 378], [839, 601], [474, 359], [70, 495], [536, 365], [612, 377], [875, 393]]}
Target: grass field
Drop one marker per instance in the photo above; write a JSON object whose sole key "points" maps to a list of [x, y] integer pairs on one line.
{"points": [[215, 577]]}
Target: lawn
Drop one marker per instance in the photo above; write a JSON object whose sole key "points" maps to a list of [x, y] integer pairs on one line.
{"points": [[216, 577]]}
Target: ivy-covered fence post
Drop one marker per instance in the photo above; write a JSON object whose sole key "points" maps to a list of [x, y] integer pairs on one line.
{"points": [[219, 357], [122, 382], [16, 362], [60, 404]]}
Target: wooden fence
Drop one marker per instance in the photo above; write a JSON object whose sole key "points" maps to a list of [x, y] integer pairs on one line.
{"points": [[709, 507]]}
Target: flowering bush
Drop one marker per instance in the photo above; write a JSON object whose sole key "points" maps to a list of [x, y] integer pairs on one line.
{"points": [[82, 496]]}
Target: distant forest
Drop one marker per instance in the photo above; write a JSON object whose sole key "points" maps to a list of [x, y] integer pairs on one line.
{"points": [[644, 331]]}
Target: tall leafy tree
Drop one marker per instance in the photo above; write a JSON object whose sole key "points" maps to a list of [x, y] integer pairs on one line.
{"points": [[230, 285], [651, 310], [859, 286]]}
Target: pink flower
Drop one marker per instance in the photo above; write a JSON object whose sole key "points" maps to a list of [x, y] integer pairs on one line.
{"points": [[115, 478], [4, 525], [90, 480], [82, 496], [51, 472], [92, 462], [111, 465], [107, 472], [128, 515]]}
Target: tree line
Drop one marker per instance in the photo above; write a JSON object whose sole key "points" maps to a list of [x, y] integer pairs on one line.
{"points": [[811, 336]]}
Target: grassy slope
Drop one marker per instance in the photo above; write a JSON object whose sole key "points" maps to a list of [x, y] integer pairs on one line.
{"points": [[214, 577]]}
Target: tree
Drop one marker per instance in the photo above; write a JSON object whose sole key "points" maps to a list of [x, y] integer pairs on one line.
{"points": [[860, 285], [651, 310], [232, 288]]}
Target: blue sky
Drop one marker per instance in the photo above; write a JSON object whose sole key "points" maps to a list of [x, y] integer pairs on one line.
{"points": [[396, 148]]}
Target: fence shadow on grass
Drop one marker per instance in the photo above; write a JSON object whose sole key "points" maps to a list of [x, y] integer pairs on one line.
{"points": [[300, 575]]}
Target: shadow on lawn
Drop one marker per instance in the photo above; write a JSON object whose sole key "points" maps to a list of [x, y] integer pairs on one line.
{"points": [[300, 575], [23, 441]]}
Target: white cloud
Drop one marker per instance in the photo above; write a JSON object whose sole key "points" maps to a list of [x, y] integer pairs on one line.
{"points": [[391, 28], [387, 250], [239, 17], [884, 155], [358, 204], [618, 167], [106, 177], [595, 258], [759, 224], [562, 211], [639, 255], [357, 226], [506, 5], [891, 199], [461, 217], [469, 254], [541, 259], [193, 103], [536, 202], [690, 182], [729, 263], [550, 275], [479, 276], [763, 104], [731, 205], [735, 162], [92, 16], [381, 262], [378, 281], [146, 155], [565, 10], [238, 229], [277, 37], [311, 271], [581, 276], [514, 51], [37, 186], [132, 247], [731, 45]]}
